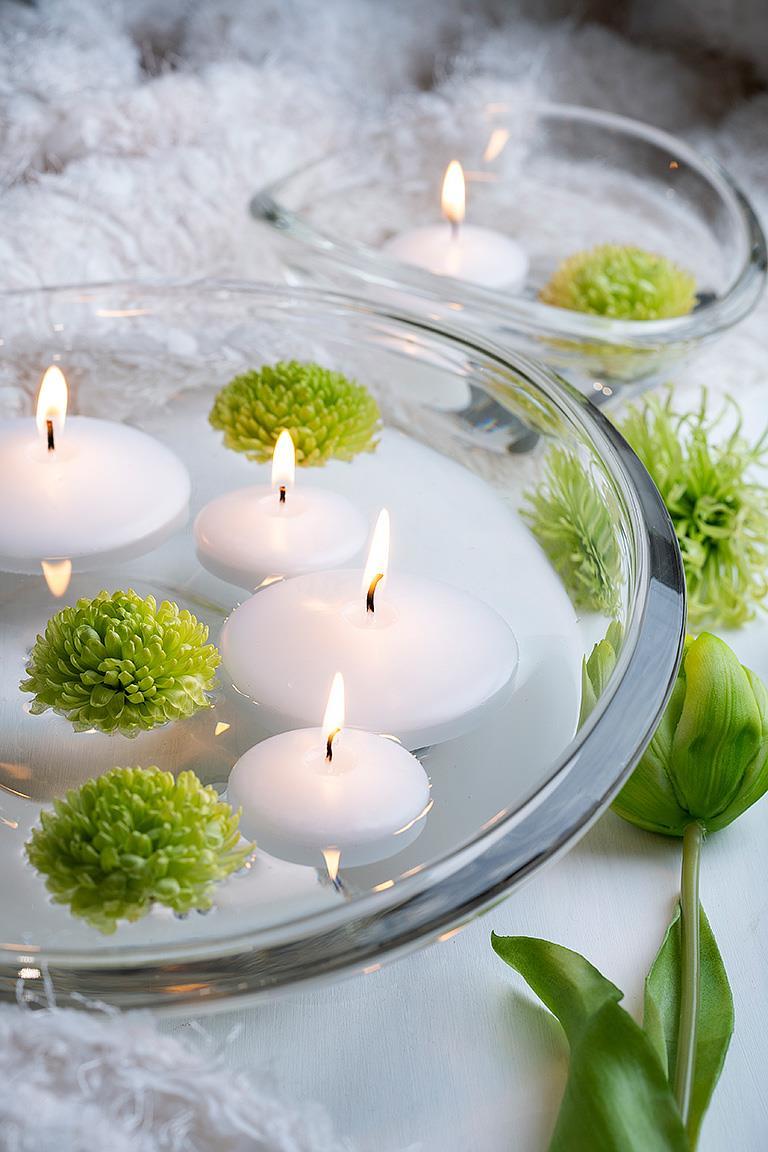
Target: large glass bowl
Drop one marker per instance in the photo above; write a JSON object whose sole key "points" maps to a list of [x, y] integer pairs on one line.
{"points": [[557, 178], [508, 796]]}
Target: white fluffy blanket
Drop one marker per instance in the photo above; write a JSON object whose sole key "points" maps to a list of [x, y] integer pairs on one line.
{"points": [[80, 1082], [132, 135]]}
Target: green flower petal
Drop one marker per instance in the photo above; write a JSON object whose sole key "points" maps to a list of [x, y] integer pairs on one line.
{"points": [[105, 850], [327, 415], [621, 282], [121, 664]]}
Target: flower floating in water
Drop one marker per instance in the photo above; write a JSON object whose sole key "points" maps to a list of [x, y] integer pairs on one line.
{"points": [[134, 837], [622, 283], [569, 517], [719, 512], [121, 664], [327, 415]]}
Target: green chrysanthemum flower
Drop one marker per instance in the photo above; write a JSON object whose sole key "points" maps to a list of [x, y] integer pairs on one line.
{"points": [[719, 510], [121, 664], [134, 837], [622, 283], [327, 415], [572, 522]]}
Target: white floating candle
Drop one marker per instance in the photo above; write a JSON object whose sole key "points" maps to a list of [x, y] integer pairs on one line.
{"points": [[423, 660], [331, 793], [465, 251], [93, 492], [261, 531]]}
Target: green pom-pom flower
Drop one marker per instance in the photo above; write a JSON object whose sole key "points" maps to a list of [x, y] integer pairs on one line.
{"points": [[327, 415], [719, 511], [708, 760], [134, 837], [570, 519], [121, 664], [622, 283]]}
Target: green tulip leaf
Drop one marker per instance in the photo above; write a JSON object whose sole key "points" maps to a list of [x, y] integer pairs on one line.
{"points": [[617, 1098], [715, 1021]]}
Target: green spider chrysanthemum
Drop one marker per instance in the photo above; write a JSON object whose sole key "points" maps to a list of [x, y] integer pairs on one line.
{"points": [[621, 283], [134, 837], [327, 415], [121, 664], [720, 512], [571, 520]]}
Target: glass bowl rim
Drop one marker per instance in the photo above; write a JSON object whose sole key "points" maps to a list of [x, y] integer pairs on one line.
{"points": [[422, 905], [534, 316]]}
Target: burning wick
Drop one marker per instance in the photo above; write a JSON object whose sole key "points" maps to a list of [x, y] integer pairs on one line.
{"points": [[378, 560], [51, 404], [333, 721], [329, 744], [369, 605], [453, 199], [283, 465]]}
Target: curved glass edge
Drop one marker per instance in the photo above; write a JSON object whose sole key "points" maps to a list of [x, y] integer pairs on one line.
{"points": [[538, 319], [447, 892]]}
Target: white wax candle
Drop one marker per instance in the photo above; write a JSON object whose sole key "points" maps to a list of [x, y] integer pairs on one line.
{"points": [[423, 666], [480, 256], [253, 533], [368, 803], [107, 492]]}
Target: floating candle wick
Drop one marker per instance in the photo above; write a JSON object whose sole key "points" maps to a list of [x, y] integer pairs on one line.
{"points": [[378, 560], [333, 720], [454, 196], [283, 464], [51, 405]]}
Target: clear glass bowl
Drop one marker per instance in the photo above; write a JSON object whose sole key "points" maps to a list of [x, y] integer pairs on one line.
{"points": [[558, 179], [508, 796]]}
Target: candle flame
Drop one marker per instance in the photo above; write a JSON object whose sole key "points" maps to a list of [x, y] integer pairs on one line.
{"points": [[51, 402], [333, 720], [454, 197], [284, 463], [57, 575], [332, 856], [378, 558]]}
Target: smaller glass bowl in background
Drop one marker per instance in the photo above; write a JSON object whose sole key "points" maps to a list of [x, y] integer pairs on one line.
{"points": [[558, 179]]}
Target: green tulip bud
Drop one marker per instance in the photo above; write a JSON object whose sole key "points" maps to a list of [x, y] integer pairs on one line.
{"points": [[708, 760]]}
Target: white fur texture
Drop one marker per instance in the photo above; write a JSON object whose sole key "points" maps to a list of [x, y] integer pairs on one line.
{"points": [[80, 1082], [132, 134]]}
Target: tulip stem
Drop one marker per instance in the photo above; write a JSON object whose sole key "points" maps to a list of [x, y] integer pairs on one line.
{"points": [[690, 954]]}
